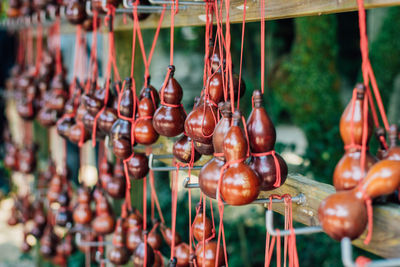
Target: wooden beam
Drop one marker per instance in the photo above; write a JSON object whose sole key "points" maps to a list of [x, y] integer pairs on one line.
{"points": [[275, 9], [386, 234]]}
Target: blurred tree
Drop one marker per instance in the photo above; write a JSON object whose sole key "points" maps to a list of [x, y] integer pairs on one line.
{"points": [[306, 88]]}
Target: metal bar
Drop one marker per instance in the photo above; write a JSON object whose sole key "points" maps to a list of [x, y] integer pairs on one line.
{"points": [[88, 8], [347, 257], [100, 260], [269, 223], [146, 9], [186, 184], [79, 242], [167, 168], [184, 3]]}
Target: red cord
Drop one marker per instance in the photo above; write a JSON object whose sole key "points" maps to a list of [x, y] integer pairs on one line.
{"points": [[262, 11], [145, 218], [368, 203], [174, 198], [154, 195], [59, 68], [362, 261], [39, 47], [277, 166], [147, 60]]}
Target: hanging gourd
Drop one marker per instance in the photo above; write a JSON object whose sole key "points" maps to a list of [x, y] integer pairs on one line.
{"points": [[144, 131], [348, 171], [170, 116], [240, 184], [269, 165], [210, 172]]}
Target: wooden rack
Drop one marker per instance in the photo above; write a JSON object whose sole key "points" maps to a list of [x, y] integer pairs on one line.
{"points": [[275, 9]]}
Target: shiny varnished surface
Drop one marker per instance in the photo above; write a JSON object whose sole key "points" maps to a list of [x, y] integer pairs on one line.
{"points": [[208, 258], [201, 121], [182, 150], [265, 167], [138, 166], [144, 131], [209, 176], [201, 229], [348, 172], [240, 184], [343, 215], [182, 255], [204, 149], [261, 130], [169, 121], [351, 122], [383, 178]]}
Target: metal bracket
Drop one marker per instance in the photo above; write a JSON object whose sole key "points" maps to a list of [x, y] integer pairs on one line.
{"points": [[167, 168], [184, 3], [88, 8], [144, 9], [299, 199], [347, 257], [81, 243], [269, 223], [100, 260]]}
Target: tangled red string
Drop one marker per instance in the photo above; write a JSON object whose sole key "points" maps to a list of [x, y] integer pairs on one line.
{"points": [[276, 162], [362, 261]]}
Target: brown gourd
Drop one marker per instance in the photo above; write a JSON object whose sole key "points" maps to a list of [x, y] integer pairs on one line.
{"points": [[182, 150], [210, 172], [144, 131], [348, 172], [169, 120], [344, 214], [240, 184]]}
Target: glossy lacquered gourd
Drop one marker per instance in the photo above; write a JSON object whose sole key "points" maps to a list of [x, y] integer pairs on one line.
{"points": [[202, 226], [138, 255], [75, 11], [183, 149], [153, 93], [121, 141], [144, 131], [240, 184], [104, 221], [262, 137], [134, 232], [167, 235], [169, 120], [393, 152], [348, 172], [64, 215], [182, 254], [82, 214], [200, 122], [210, 172], [116, 186], [98, 4], [261, 130], [344, 214], [206, 255], [119, 253], [138, 166], [126, 102], [352, 120]]}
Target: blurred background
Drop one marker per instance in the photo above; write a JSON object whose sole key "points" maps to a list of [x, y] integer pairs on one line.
{"points": [[312, 63]]}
